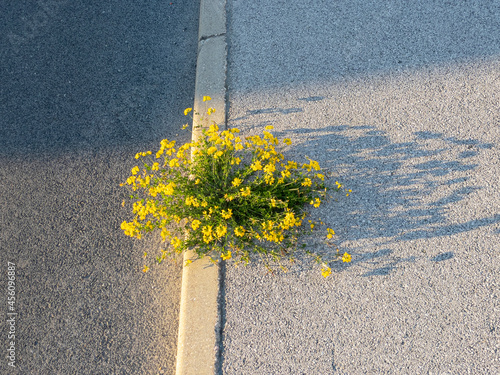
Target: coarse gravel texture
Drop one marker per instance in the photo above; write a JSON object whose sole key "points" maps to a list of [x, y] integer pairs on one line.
{"points": [[399, 102], [84, 87]]}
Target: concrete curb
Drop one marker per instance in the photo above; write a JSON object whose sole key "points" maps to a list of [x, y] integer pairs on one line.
{"points": [[199, 317]]}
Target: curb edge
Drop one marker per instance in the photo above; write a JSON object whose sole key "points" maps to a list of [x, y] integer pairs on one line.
{"points": [[198, 346]]}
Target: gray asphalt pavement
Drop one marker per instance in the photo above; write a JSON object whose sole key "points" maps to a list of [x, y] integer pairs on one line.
{"points": [[400, 101], [84, 86]]}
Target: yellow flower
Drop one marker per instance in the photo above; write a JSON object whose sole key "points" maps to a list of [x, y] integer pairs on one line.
{"points": [[173, 163], [180, 154], [257, 166], [236, 161], [176, 242], [227, 214], [221, 230], [135, 170], [153, 191], [269, 127], [156, 166], [269, 168], [289, 221], [287, 141], [307, 182], [320, 176], [245, 192], [145, 269], [314, 164], [207, 238], [227, 134], [166, 144], [238, 147], [211, 150], [195, 224], [326, 271], [285, 174], [169, 189], [269, 179], [236, 182], [210, 110], [188, 262], [128, 228], [346, 258], [192, 201], [273, 202], [239, 231], [331, 233], [226, 256], [316, 203], [268, 225], [206, 98], [218, 154], [187, 110], [265, 155], [164, 233]]}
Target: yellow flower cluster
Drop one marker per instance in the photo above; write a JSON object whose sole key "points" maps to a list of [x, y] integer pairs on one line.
{"points": [[290, 221], [239, 231], [245, 192], [316, 202], [139, 154], [176, 242], [131, 229], [221, 230], [307, 182], [195, 224], [326, 271], [227, 214], [207, 234], [162, 189], [220, 202], [346, 258]]}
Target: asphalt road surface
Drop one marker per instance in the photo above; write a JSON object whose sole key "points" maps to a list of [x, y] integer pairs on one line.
{"points": [[84, 86], [399, 100]]}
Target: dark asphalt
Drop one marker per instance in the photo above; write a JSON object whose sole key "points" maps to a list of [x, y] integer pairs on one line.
{"points": [[83, 88]]}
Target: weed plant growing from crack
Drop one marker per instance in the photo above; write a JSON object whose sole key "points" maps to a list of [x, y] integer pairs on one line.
{"points": [[226, 197]]}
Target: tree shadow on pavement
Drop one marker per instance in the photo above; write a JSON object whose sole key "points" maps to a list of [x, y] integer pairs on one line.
{"points": [[393, 184]]}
